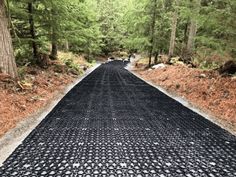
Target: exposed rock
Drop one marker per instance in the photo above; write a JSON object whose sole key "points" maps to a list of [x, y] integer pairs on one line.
{"points": [[159, 66], [202, 76]]}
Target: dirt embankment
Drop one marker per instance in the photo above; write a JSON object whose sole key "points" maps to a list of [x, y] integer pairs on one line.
{"points": [[206, 90], [20, 100]]}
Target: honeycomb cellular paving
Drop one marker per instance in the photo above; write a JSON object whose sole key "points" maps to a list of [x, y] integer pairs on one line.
{"points": [[114, 124]]}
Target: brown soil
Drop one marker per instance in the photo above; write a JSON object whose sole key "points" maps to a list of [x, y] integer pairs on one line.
{"points": [[22, 99], [206, 90]]}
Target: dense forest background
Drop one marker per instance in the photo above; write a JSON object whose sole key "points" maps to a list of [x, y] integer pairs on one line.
{"points": [[201, 32]]}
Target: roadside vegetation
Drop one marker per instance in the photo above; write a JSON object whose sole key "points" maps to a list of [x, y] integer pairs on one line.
{"points": [[200, 33], [36, 88]]}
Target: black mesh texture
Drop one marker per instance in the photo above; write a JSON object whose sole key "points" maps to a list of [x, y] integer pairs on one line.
{"points": [[114, 124]]}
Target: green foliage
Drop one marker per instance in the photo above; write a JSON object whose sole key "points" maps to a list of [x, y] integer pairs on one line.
{"points": [[111, 23], [73, 66], [58, 22], [93, 27], [208, 65], [22, 72], [139, 21], [83, 32], [215, 27]]}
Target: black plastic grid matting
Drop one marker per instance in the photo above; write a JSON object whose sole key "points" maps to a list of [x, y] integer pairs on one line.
{"points": [[114, 124]]}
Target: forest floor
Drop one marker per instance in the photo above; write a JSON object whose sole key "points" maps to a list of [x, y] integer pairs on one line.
{"points": [[206, 90], [39, 87]]}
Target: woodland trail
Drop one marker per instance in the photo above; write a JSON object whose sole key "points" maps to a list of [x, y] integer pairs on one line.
{"points": [[114, 124]]}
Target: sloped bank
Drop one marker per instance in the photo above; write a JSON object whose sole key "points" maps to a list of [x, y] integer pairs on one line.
{"points": [[20, 129], [205, 90]]}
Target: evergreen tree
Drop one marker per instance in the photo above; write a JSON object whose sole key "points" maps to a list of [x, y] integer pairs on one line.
{"points": [[173, 27], [7, 59]]}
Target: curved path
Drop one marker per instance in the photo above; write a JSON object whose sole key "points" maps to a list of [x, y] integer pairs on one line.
{"points": [[114, 124]]}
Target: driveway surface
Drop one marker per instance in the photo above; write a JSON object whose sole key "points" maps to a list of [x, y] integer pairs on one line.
{"points": [[114, 124]]}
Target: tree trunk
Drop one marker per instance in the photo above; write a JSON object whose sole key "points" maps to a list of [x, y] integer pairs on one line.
{"points": [[156, 58], [185, 39], [7, 59], [186, 31], [53, 54], [54, 50], [192, 29], [33, 33], [54, 38], [173, 32], [150, 59], [152, 30], [191, 36]]}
